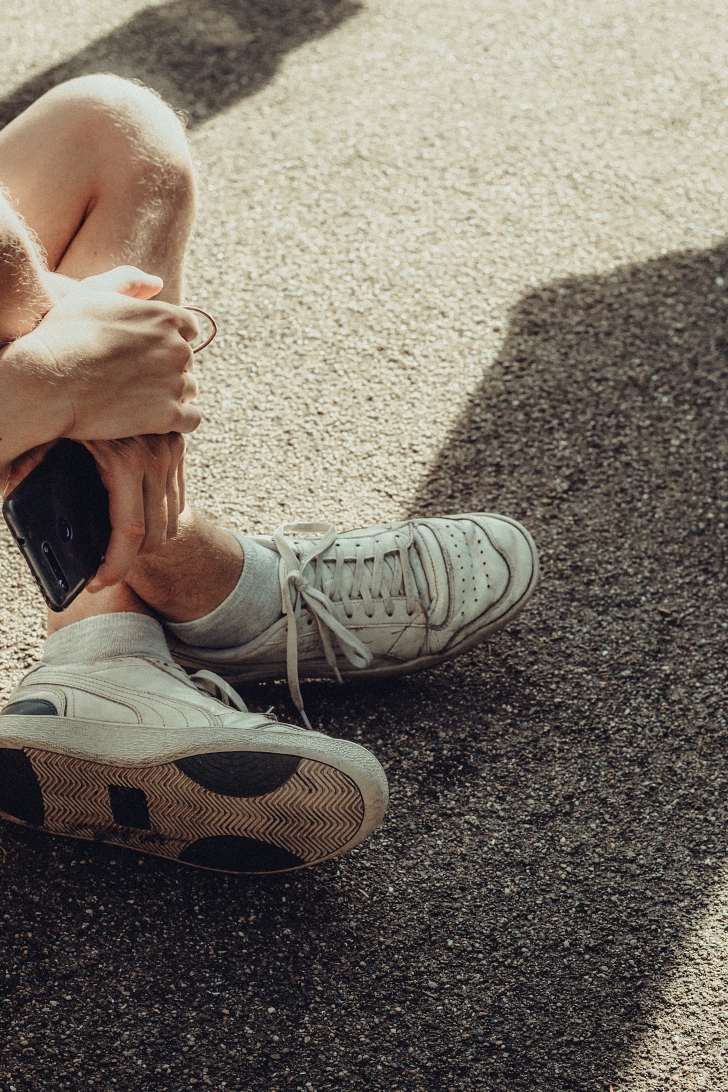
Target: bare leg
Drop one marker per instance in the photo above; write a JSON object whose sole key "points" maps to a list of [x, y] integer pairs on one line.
{"points": [[122, 192], [100, 170], [187, 579]]}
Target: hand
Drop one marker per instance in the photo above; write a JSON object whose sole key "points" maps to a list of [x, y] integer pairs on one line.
{"points": [[57, 285], [145, 479], [117, 362], [13, 474], [144, 476]]}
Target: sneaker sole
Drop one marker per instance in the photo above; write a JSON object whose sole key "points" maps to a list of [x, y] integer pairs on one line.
{"points": [[239, 810], [320, 670]]}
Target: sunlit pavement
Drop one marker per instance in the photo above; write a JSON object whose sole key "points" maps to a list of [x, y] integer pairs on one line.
{"points": [[462, 255]]}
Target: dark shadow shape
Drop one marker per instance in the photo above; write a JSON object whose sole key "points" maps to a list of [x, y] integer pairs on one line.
{"points": [[603, 425], [202, 56], [561, 949], [232, 853]]}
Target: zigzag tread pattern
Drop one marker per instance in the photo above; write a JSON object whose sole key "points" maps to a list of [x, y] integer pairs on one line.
{"points": [[316, 812]]}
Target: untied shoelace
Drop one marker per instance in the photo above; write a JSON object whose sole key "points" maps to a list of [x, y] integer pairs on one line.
{"points": [[209, 683], [318, 589]]}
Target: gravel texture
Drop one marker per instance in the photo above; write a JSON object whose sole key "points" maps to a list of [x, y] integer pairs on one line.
{"points": [[463, 255]]}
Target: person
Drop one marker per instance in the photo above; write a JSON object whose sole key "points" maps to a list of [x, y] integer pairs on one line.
{"points": [[128, 730]]}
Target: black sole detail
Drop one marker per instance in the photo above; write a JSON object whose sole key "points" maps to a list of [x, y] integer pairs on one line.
{"points": [[30, 707], [20, 791], [232, 853], [129, 807], [239, 773]]}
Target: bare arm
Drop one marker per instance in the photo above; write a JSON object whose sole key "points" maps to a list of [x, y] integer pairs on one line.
{"points": [[25, 417], [96, 360]]}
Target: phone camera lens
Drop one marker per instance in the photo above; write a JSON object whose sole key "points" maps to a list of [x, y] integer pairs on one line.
{"points": [[63, 528]]}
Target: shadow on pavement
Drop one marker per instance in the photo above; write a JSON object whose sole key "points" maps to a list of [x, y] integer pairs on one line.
{"points": [[202, 56], [558, 812], [603, 425]]}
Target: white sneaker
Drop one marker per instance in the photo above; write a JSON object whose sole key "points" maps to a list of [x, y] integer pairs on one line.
{"points": [[389, 599], [133, 752]]}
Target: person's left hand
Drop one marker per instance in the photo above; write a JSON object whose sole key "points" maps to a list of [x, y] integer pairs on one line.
{"points": [[145, 480]]}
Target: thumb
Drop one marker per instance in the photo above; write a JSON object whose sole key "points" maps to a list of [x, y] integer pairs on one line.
{"points": [[128, 281]]}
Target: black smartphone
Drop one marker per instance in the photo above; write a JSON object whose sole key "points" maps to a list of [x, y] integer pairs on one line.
{"points": [[59, 517]]}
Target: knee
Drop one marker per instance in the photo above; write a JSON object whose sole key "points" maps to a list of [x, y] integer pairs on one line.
{"points": [[135, 133]]}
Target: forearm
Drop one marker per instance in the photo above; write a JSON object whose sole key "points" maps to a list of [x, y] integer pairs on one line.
{"points": [[31, 407], [30, 403], [24, 280]]}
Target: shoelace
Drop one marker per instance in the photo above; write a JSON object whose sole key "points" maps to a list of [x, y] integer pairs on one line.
{"points": [[210, 683], [207, 682], [308, 579]]}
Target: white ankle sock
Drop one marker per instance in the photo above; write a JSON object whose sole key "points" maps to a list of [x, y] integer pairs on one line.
{"points": [[253, 605], [104, 637]]}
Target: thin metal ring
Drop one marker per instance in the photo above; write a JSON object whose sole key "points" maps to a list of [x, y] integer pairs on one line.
{"points": [[212, 322]]}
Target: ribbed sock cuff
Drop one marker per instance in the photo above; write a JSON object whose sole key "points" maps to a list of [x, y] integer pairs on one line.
{"points": [[104, 637]]}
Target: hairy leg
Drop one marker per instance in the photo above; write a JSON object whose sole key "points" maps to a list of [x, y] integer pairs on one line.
{"points": [[122, 193], [100, 171], [185, 580]]}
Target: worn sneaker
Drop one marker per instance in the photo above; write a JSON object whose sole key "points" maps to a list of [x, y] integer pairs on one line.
{"points": [[133, 752], [383, 601]]}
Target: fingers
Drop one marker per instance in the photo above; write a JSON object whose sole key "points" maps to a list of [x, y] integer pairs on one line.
{"points": [[156, 478], [188, 418], [144, 476], [188, 325], [182, 486], [189, 387], [175, 487], [161, 491], [128, 281], [124, 481]]}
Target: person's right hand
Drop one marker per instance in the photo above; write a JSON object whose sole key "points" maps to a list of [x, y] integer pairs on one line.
{"points": [[118, 361]]}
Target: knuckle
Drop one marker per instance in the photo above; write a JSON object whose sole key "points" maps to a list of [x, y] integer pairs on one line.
{"points": [[154, 447], [135, 531]]}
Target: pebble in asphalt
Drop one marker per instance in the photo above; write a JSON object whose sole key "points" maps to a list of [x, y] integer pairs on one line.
{"points": [[463, 255]]}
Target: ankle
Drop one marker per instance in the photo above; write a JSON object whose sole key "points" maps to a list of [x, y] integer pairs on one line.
{"points": [[193, 574], [120, 599], [106, 637]]}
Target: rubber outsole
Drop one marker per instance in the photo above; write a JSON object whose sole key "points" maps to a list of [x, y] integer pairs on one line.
{"points": [[243, 812]]}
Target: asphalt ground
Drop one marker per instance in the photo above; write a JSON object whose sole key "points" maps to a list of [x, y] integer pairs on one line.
{"points": [[463, 255]]}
